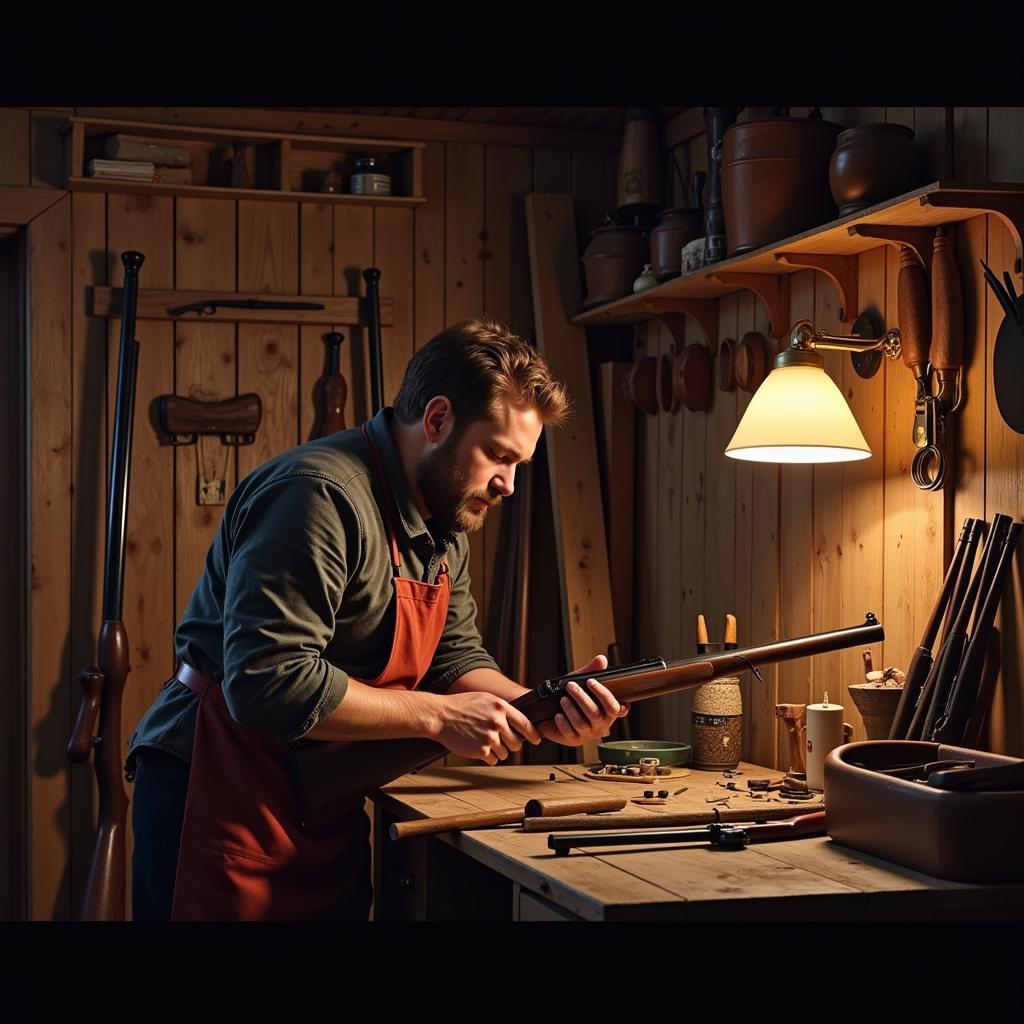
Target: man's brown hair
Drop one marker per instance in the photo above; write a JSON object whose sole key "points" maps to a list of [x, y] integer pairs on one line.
{"points": [[477, 364]]}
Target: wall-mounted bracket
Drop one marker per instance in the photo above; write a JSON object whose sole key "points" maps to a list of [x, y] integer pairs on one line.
{"points": [[917, 239], [841, 270], [1009, 207], [672, 313], [772, 289]]}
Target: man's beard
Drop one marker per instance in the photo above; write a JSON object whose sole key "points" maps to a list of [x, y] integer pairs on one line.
{"points": [[445, 489]]}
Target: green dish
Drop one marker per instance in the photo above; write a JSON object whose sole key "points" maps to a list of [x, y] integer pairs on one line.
{"points": [[630, 752]]}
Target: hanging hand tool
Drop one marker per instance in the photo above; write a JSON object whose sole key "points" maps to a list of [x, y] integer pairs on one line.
{"points": [[931, 413], [335, 388]]}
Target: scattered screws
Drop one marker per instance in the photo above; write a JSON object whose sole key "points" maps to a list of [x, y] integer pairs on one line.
{"points": [[649, 793], [683, 790], [663, 793]]}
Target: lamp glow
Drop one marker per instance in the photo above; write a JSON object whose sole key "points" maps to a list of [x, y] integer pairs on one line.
{"points": [[798, 415]]}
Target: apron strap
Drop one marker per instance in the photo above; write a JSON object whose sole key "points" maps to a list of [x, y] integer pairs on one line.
{"points": [[382, 480]]}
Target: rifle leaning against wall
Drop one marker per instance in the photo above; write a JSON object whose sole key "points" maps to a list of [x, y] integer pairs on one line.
{"points": [[104, 685], [327, 774]]}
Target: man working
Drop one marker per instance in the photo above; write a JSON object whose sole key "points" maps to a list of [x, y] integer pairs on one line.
{"points": [[335, 605]]}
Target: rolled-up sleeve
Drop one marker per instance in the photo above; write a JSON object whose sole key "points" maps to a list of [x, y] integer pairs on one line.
{"points": [[460, 648], [288, 566]]}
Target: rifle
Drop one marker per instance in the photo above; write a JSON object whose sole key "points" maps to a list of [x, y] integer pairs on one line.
{"points": [[372, 277], [104, 898], [327, 774], [207, 307], [725, 836]]}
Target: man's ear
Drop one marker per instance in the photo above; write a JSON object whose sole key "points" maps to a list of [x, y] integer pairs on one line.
{"points": [[437, 417]]}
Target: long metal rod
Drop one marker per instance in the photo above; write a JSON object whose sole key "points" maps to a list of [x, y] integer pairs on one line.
{"points": [[117, 504], [372, 277]]}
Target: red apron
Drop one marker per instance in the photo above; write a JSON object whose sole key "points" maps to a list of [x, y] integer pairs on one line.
{"points": [[244, 856]]}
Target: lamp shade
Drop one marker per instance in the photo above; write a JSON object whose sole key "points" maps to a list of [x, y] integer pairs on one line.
{"points": [[798, 415]]}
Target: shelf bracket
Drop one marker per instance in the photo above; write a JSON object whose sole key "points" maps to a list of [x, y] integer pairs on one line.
{"points": [[672, 313], [772, 289], [1008, 207], [918, 239], [841, 270]]}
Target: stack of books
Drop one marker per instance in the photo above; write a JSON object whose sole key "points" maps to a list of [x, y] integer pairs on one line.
{"points": [[122, 170], [130, 159]]}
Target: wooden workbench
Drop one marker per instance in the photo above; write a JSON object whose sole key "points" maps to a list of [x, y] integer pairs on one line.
{"points": [[505, 873]]}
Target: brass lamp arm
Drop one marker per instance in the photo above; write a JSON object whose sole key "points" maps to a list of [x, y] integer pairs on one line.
{"points": [[804, 337]]}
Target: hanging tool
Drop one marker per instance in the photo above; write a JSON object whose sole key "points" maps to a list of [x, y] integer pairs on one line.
{"points": [[335, 388], [931, 413]]}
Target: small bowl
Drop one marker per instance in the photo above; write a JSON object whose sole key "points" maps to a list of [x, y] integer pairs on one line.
{"points": [[630, 752]]}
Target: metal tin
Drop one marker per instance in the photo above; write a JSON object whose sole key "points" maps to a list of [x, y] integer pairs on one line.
{"points": [[369, 179]]}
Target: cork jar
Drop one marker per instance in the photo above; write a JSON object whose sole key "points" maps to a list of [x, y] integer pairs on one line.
{"points": [[717, 724]]}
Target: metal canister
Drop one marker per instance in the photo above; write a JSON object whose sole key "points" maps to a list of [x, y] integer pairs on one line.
{"points": [[717, 724], [368, 178]]}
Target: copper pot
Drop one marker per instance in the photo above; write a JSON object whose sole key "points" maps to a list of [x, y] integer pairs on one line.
{"points": [[693, 377], [872, 163], [614, 257], [675, 228], [726, 364], [775, 179], [751, 361], [640, 384]]}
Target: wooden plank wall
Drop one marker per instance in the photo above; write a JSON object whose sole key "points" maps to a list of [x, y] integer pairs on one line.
{"points": [[462, 253], [793, 549]]}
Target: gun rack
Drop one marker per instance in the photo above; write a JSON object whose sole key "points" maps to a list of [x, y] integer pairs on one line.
{"points": [[154, 303], [831, 249]]}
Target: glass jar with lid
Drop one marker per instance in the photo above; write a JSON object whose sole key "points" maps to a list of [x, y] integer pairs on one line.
{"points": [[368, 178]]}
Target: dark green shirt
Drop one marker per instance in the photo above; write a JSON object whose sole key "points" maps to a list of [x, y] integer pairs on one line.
{"points": [[296, 593]]}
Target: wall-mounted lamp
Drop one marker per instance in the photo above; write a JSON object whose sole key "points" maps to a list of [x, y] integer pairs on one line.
{"points": [[798, 414]]}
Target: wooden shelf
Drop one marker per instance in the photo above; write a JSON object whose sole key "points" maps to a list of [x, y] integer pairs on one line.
{"points": [[285, 167], [766, 271]]}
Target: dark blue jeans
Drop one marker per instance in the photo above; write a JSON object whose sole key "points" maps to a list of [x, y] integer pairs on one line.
{"points": [[158, 810]]}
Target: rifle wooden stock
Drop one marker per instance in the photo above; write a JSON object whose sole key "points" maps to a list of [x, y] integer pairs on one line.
{"points": [[507, 816], [327, 774]]}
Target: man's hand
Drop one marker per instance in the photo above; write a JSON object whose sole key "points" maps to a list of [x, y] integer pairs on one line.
{"points": [[582, 717], [483, 725]]}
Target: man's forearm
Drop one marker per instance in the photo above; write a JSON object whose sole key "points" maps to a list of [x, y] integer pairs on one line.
{"points": [[488, 681], [370, 713]]}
